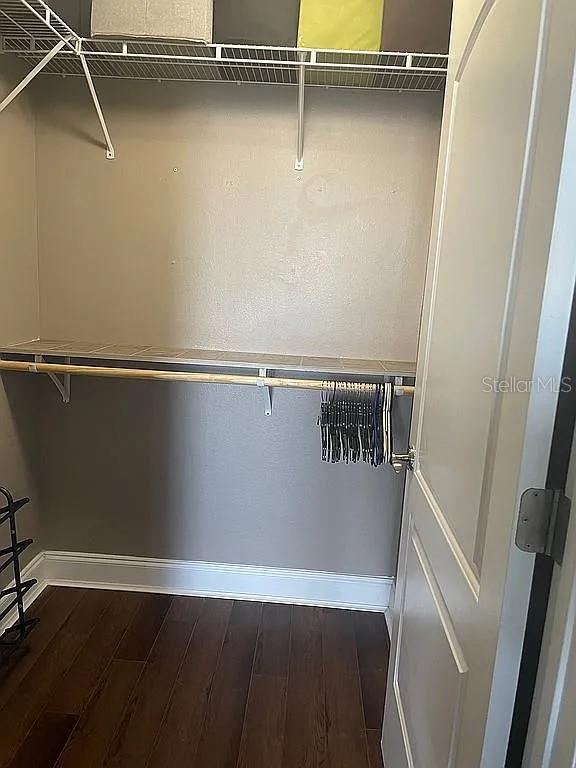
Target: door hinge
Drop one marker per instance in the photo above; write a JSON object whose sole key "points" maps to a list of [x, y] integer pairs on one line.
{"points": [[543, 522], [402, 461]]}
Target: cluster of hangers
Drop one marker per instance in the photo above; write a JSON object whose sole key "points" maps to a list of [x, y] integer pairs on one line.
{"points": [[356, 422]]}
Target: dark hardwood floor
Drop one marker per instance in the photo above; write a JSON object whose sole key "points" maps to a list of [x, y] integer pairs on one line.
{"points": [[127, 680]]}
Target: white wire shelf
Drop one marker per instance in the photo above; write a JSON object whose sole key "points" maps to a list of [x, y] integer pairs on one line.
{"points": [[29, 29], [33, 20], [32, 31]]}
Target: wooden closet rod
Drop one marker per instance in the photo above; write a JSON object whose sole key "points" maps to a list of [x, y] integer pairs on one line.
{"points": [[142, 373]]}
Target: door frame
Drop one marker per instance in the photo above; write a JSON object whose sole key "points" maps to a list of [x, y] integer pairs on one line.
{"points": [[551, 741], [554, 123], [538, 730]]}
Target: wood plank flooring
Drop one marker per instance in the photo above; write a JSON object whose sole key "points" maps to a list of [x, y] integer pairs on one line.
{"points": [[127, 680]]}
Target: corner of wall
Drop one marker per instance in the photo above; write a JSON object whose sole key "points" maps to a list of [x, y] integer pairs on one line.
{"points": [[37, 220], [19, 310]]}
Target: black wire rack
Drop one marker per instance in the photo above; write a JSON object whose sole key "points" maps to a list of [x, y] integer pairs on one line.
{"points": [[12, 597]]}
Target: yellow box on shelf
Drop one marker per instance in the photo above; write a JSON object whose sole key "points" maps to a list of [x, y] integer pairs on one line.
{"points": [[354, 25]]}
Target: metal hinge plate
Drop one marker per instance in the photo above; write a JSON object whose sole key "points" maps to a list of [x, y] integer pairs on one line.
{"points": [[543, 522], [402, 461]]}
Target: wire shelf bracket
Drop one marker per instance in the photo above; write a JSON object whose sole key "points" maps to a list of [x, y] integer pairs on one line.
{"points": [[37, 26], [63, 385], [32, 74], [299, 164], [110, 153]]}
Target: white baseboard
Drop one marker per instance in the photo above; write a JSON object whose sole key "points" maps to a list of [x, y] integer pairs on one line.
{"points": [[181, 577], [241, 582], [34, 570]]}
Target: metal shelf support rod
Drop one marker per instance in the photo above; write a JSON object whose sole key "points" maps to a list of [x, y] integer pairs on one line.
{"points": [[299, 164], [32, 74], [110, 153], [161, 375]]}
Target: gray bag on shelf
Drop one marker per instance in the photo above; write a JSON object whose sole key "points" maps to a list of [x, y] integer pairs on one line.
{"points": [[256, 22], [419, 26], [160, 19]]}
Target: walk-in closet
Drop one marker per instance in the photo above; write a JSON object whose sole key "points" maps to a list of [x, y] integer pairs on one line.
{"points": [[229, 238]]}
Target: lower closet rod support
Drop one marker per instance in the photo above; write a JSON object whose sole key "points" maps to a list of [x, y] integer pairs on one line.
{"points": [[143, 373], [263, 376], [63, 386]]}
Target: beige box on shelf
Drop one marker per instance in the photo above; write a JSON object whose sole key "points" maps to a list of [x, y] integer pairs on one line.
{"points": [[164, 19]]}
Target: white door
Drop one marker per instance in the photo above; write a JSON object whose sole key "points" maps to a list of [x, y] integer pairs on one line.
{"points": [[497, 302]]}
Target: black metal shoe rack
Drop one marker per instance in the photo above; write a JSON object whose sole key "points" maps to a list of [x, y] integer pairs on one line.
{"points": [[13, 597]]}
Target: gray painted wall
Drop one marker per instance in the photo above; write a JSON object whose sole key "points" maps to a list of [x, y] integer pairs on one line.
{"points": [[232, 250], [19, 317], [200, 473]]}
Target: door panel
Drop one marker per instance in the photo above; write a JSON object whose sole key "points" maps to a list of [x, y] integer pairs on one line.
{"points": [[462, 588], [477, 248], [429, 661], [449, 565]]}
